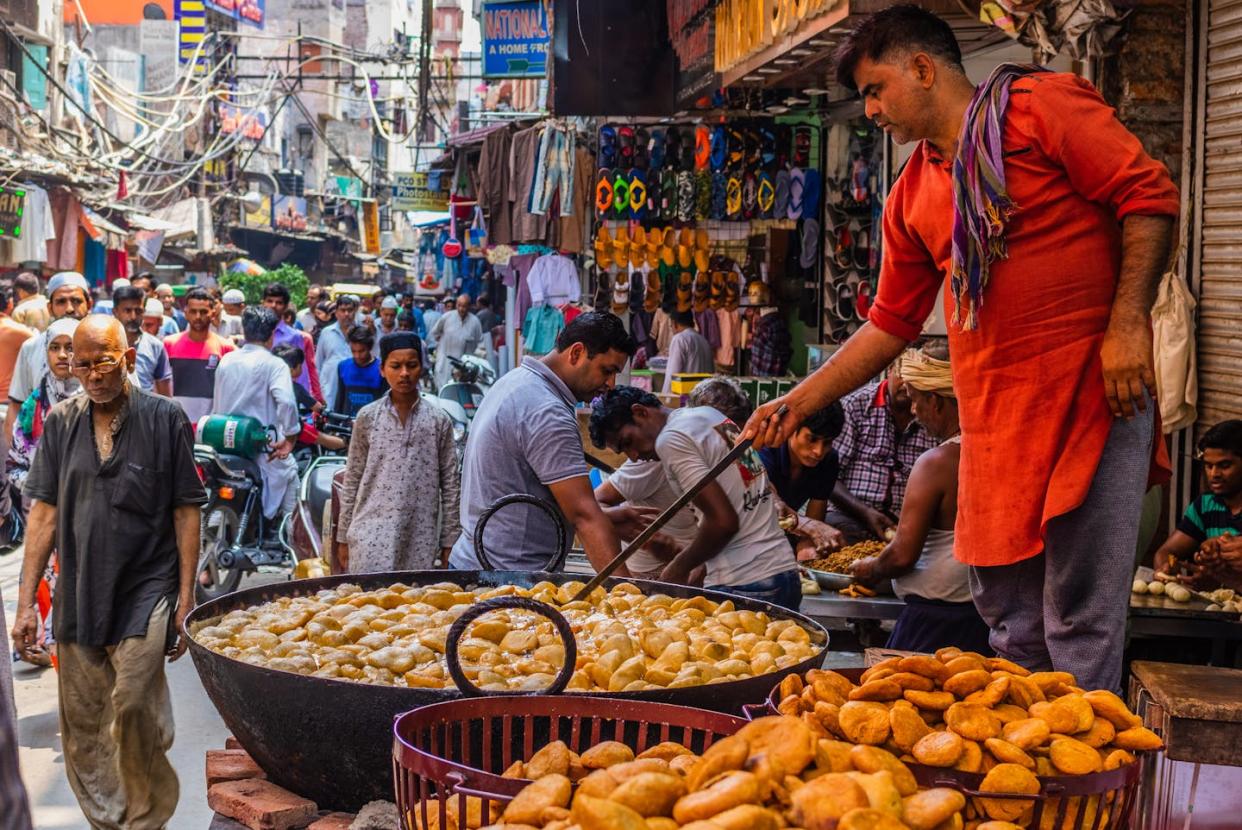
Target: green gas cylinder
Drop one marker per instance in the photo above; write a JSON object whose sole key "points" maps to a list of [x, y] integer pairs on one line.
{"points": [[233, 434]]}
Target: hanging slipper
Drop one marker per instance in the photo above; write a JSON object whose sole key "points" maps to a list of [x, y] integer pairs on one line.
{"points": [[750, 196], [668, 254], [685, 291], [780, 200], [668, 193], [638, 289], [621, 292], [750, 146], [638, 194], [685, 196], [702, 147], [702, 240], [603, 247], [797, 181], [702, 195], [701, 260], [732, 292], [685, 257], [669, 276], [811, 194], [720, 149], [651, 298], [862, 301], [719, 195], [603, 192], [685, 238], [638, 245], [688, 150], [810, 244], [642, 140], [765, 195], [655, 150], [621, 195], [717, 300], [607, 147], [862, 250], [736, 149], [767, 146], [625, 145], [655, 241], [733, 197], [843, 254], [702, 291], [621, 249]]}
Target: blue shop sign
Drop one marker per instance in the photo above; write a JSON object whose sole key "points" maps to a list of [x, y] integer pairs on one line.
{"points": [[515, 39]]}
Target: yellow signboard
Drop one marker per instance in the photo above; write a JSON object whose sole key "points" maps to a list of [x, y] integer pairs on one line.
{"points": [[370, 228], [745, 27], [420, 191]]}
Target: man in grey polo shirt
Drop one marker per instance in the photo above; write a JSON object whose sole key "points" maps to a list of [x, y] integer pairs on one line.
{"points": [[525, 439]]}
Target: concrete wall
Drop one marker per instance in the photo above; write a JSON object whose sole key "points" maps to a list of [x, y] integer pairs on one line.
{"points": [[1144, 80]]}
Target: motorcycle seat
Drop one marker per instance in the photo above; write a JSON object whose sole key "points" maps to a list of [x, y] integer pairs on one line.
{"points": [[241, 466]]}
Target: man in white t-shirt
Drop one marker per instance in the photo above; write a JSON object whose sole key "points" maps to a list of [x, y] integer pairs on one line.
{"points": [[738, 539]]}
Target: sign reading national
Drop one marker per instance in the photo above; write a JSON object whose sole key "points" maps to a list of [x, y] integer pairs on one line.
{"points": [[515, 39]]}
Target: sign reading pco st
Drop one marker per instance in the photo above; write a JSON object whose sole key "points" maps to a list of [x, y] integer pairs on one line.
{"points": [[515, 39], [414, 191]]}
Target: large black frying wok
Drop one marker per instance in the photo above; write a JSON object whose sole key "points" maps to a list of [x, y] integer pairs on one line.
{"points": [[331, 740]]}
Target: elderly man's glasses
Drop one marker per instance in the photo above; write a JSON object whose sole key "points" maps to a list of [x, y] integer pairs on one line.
{"points": [[102, 366]]}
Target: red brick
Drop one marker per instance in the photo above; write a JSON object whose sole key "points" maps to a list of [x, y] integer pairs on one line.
{"points": [[261, 805], [231, 765], [333, 821], [232, 743]]}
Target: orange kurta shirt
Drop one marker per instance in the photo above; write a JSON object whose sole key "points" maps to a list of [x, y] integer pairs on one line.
{"points": [[1029, 380]]}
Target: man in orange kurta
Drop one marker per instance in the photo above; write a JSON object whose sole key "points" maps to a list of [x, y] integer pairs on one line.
{"points": [[1052, 360]]}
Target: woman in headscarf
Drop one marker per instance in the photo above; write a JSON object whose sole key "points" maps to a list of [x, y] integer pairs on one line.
{"points": [[57, 385]]}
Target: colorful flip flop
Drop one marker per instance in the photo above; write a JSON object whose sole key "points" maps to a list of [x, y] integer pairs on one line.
{"points": [[780, 199], [603, 247], [685, 196], [656, 150], [797, 183], [719, 200], [702, 147], [720, 150], [810, 243], [668, 193], [702, 194], [638, 194], [603, 192], [621, 195], [811, 193], [750, 195], [625, 143], [641, 141], [621, 292], [607, 147], [733, 197], [765, 195]]}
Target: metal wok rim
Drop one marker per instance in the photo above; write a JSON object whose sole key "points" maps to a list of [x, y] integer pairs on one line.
{"points": [[259, 594]]}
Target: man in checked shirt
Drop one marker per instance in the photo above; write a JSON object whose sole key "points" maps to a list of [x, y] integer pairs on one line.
{"points": [[877, 449]]}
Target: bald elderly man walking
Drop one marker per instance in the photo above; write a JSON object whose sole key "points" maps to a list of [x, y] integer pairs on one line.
{"points": [[455, 334], [117, 495]]}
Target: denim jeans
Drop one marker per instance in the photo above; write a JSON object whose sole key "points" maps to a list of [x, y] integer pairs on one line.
{"points": [[783, 589]]}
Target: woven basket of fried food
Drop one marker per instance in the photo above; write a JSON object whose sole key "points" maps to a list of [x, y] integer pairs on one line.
{"points": [[769, 774], [1032, 749]]}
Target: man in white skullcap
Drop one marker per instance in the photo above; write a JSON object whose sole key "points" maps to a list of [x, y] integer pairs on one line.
{"points": [[69, 295], [228, 324]]}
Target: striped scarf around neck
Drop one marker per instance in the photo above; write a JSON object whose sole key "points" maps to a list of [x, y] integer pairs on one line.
{"points": [[981, 204]]}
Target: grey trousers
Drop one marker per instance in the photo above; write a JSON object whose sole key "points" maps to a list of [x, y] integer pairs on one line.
{"points": [[116, 725], [1066, 608]]}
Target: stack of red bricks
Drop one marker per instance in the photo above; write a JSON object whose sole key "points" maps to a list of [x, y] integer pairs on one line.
{"points": [[241, 795]]}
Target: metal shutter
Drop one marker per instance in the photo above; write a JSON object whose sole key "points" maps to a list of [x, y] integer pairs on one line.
{"points": [[1220, 263]]}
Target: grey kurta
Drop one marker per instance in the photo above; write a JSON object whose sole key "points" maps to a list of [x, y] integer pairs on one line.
{"points": [[454, 337], [399, 503]]}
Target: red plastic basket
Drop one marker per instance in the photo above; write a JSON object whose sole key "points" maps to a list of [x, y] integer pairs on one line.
{"points": [[1117, 790], [448, 757]]}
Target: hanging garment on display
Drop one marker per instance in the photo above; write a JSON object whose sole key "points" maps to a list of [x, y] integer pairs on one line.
{"points": [[729, 324], [493, 186], [554, 171], [1173, 327], [527, 226], [540, 328], [37, 228], [575, 228], [554, 278], [661, 331]]}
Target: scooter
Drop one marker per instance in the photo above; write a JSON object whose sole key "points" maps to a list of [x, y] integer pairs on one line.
{"points": [[484, 374], [464, 389]]}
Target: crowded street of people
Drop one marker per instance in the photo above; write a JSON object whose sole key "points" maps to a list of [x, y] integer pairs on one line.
{"points": [[704, 414]]}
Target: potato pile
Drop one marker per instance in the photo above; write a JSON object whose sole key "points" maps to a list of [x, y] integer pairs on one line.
{"points": [[974, 714], [395, 636], [772, 774]]}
